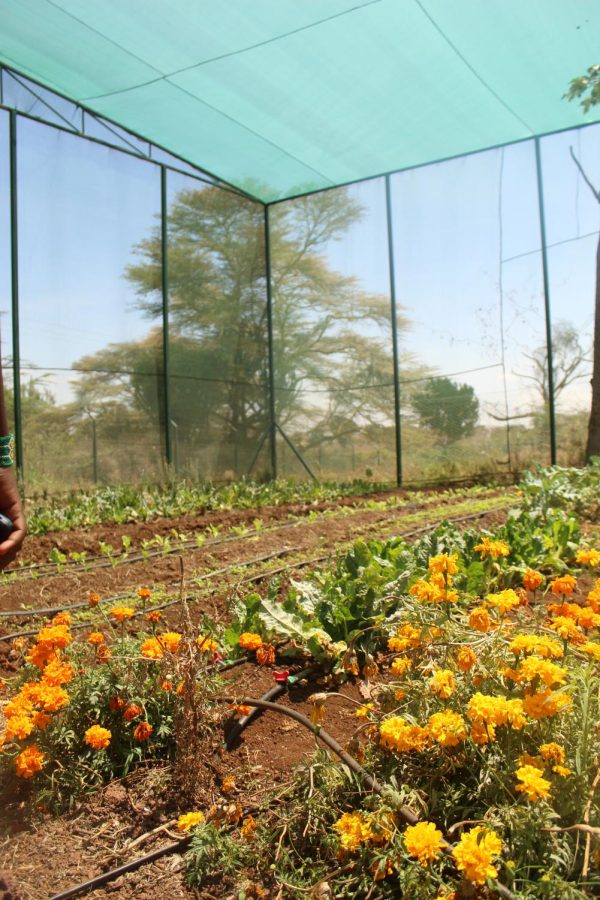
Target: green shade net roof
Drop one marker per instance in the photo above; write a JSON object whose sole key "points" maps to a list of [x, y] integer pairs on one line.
{"points": [[281, 97]]}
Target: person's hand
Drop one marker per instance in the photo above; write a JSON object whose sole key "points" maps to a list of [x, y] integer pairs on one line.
{"points": [[10, 505]]}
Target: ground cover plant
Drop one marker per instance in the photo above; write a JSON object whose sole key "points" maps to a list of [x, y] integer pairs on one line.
{"points": [[475, 655]]}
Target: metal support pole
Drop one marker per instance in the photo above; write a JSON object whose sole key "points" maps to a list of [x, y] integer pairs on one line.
{"points": [[271, 355], [542, 213], [14, 266], [396, 362], [164, 234]]}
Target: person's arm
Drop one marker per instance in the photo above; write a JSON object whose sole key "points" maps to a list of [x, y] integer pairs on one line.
{"points": [[10, 501]]}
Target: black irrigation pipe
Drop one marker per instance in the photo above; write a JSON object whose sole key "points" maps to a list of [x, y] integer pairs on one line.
{"points": [[259, 577]]}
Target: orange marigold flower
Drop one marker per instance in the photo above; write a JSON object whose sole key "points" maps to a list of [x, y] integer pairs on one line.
{"points": [[249, 826], [96, 638], [564, 585], [491, 548], [350, 663], [543, 704], [98, 737], [504, 601], [465, 659], [103, 653], [93, 598], [479, 619], [265, 655], [142, 731], [242, 710], [29, 761], [120, 613], [57, 672], [424, 841], [250, 641], [62, 618], [144, 593], [406, 638], [19, 726], [532, 579], [41, 719], [532, 783], [154, 616], [132, 712], [228, 784], [567, 629], [553, 752], [166, 685], [475, 852]]}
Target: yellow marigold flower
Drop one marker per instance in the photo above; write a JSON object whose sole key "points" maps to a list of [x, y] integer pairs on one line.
{"points": [[248, 827], [120, 613], [532, 783], [424, 841], [406, 638], [170, 640], [563, 585], [29, 761], [491, 548], [144, 593], [98, 737], [93, 598], [425, 592], [447, 728], [152, 649], [479, 619], [496, 710], [562, 771], [443, 563], [543, 704], [549, 673], [588, 558], [540, 646], [189, 820], [553, 752], [363, 711], [206, 644], [250, 641], [482, 732], [504, 601], [96, 638], [465, 659], [442, 684], [475, 852], [401, 666], [532, 579], [57, 672], [354, 829], [397, 734], [142, 732], [567, 629], [592, 649]]}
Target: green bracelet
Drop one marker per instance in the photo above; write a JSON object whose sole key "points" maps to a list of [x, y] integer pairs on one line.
{"points": [[7, 450]]}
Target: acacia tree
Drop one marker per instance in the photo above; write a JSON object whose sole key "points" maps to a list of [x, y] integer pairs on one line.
{"points": [[448, 409], [330, 335]]}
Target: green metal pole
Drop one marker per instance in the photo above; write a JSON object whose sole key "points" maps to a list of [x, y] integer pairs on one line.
{"points": [[396, 361], [164, 234], [542, 214], [271, 354], [14, 265]]}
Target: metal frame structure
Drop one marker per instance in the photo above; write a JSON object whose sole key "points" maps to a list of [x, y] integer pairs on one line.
{"points": [[123, 144]]}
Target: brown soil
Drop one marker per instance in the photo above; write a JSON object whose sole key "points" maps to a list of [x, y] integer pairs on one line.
{"points": [[41, 855]]}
